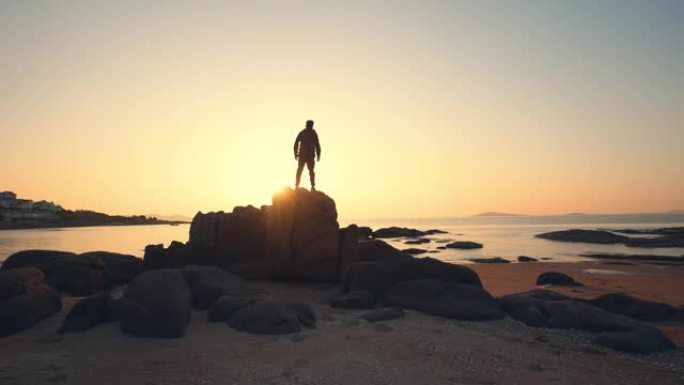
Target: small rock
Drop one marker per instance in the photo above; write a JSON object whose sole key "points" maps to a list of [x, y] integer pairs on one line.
{"points": [[464, 245]]}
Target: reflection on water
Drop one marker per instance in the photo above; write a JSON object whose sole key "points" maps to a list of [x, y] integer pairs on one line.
{"points": [[506, 237], [120, 239]]}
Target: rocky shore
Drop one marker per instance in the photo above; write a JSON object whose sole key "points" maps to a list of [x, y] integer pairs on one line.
{"points": [[282, 294]]}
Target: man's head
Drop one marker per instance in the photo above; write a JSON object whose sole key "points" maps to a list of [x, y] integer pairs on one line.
{"points": [[309, 124]]}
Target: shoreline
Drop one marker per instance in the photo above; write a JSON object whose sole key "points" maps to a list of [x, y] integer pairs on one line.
{"points": [[45, 226]]}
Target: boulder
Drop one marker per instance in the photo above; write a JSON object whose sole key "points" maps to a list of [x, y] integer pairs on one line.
{"points": [[365, 232], [266, 317], [122, 267], [524, 258], [430, 268], [21, 280], [158, 257], [89, 312], [382, 314], [584, 236], [378, 251], [414, 251], [398, 232], [208, 283], [464, 245], [355, 299], [556, 278], [305, 313], [64, 271], [224, 307], [620, 303], [156, 304], [371, 277], [552, 310], [451, 300], [490, 260], [417, 241], [25, 310], [349, 248]]}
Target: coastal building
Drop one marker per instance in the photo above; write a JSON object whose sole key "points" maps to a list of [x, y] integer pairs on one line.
{"points": [[12, 208]]}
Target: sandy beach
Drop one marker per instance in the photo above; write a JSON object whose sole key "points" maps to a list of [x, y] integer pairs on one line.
{"points": [[415, 349]]}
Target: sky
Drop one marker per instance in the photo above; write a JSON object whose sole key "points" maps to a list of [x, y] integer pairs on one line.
{"points": [[423, 108]]}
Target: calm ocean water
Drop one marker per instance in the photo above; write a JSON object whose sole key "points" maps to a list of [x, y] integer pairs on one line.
{"points": [[506, 237]]}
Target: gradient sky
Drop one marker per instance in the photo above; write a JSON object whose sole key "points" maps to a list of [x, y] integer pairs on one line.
{"points": [[424, 108]]}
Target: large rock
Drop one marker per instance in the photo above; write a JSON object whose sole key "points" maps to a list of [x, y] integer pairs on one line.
{"points": [[464, 245], [65, 272], [620, 303], [266, 317], [208, 283], [91, 311], [371, 277], [398, 232], [349, 248], [25, 299], [546, 309], [156, 304], [556, 278], [297, 236], [451, 300], [224, 307], [584, 236], [430, 268], [158, 257], [122, 267]]}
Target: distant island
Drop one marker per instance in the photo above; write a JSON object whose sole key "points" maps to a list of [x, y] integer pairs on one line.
{"points": [[573, 214], [495, 214], [676, 212], [28, 214]]}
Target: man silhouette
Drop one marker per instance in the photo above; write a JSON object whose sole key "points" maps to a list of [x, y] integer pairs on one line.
{"points": [[306, 149]]}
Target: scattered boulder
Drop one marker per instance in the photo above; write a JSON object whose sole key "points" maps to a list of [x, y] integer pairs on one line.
{"points": [[382, 314], [266, 317], [305, 313], [355, 299], [417, 241], [620, 303], [122, 267], [414, 251], [464, 245], [556, 278], [224, 307], [490, 260], [156, 304], [208, 283], [64, 271], [552, 310], [89, 312], [451, 300], [524, 258], [399, 232]]}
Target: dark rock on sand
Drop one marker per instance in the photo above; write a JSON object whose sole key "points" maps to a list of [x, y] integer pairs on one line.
{"points": [[208, 283], [414, 251], [430, 268], [304, 312], [156, 304], [382, 314], [417, 241], [266, 317], [556, 278], [122, 267], [490, 260], [620, 303], [25, 300], [524, 258], [224, 307], [91, 311], [464, 245], [552, 310], [65, 272], [451, 300], [398, 232], [353, 300]]}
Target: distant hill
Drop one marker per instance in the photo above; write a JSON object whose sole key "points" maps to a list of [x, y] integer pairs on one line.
{"points": [[676, 212], [171, 218], [571, 214], [495, 214]]}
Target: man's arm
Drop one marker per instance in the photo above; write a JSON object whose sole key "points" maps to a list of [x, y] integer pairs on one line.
{"points": [[296, 144], [318, 146]]}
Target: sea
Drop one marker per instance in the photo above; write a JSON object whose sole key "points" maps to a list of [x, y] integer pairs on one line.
{"points": [[502, 236]]}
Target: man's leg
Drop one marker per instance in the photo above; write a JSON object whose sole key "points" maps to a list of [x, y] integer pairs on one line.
{"points": [[300, 167], [310, 164]]}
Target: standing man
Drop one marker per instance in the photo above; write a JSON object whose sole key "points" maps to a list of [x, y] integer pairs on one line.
{"points": [[306, 149]]}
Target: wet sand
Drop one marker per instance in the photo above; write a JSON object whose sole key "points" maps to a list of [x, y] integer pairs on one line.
{"points": [[416, 349]]}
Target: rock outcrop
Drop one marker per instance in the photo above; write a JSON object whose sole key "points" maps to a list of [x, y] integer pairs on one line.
{"points": [[464, 245], [91, 311], [673, 238], [399, 232], [297, 236]]}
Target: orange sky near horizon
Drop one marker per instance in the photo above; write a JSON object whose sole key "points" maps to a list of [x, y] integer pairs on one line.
{"points": [[423, 109]]}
